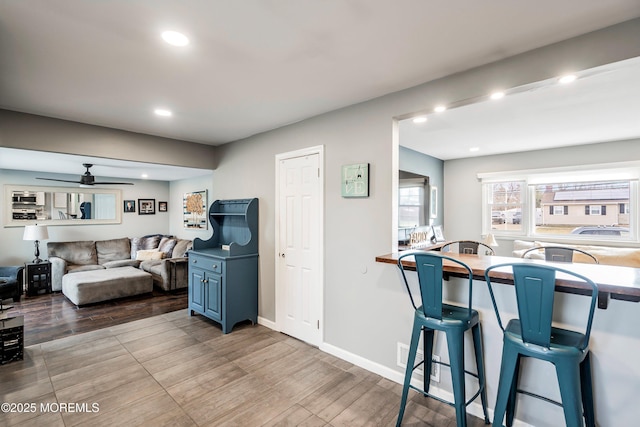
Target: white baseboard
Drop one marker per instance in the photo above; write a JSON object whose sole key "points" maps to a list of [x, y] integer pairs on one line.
{"points": [[267, 323]]}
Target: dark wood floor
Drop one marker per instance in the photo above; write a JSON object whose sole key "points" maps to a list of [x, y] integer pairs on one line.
{"points": [[52, 316]]}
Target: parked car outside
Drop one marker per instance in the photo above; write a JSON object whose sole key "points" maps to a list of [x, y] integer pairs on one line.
{"points": [[602, 231], [497, 217], [516, 218]]}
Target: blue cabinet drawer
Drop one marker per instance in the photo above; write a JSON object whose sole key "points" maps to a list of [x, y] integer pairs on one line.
{"points": [[206, 263]]}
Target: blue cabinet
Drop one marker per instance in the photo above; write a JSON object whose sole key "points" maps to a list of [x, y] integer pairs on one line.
{"points": [[223, 270]]}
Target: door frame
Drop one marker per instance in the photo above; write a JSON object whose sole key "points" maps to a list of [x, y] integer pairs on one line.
{"points": [[319, 150]]}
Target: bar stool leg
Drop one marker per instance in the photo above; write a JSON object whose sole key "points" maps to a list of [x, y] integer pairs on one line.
{"points": [[586, 386], [569, 380], [455, 344], [411, 360], [512, 402], [477, 346], [507, 371], [427, 337]]}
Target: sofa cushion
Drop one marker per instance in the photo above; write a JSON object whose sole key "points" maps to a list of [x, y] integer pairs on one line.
{"points": [[75, 268], [80, 253], [166, 245], [143, 243], [122, 263], [113, 250], [149, 254], [182, 246], [521, 246], [608, 255]]}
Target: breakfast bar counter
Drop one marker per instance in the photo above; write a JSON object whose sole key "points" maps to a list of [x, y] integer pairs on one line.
{"points": [[615, 282]]}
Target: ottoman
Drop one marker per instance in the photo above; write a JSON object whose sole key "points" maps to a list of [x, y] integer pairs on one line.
{"points": [[86, 287]]}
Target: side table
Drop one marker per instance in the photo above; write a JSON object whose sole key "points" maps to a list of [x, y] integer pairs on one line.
{"points": [[11, 339], [37, 277]]}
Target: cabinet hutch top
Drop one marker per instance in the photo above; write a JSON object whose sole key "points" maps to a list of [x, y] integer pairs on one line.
{"points": [[235, 228]]}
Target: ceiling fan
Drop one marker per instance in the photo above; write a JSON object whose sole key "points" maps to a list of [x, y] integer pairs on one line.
{"points": [[88, 179]]}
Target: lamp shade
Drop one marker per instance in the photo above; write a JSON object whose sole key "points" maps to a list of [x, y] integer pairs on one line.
{"points": [[35, 232], [490, 240]]}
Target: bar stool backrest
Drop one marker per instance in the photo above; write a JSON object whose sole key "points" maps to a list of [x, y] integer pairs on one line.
{"points": [[535, 290], [430, 274], [560, 253], [468, 247]]}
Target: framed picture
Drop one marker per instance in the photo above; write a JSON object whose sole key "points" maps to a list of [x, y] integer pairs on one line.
{"points": [[146, 206], [129, 206], [355, 180], [162, 206], [438, 234], [194, 208]]}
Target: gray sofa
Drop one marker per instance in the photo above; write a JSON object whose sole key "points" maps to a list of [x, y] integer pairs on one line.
{"points": [[168, 272]]}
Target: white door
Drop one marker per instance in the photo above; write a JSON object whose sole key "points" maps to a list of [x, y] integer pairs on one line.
{"points": [[299, 226]]}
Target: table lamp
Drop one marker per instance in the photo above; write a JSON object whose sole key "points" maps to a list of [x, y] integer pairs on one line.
{"points": [[37, 233], [490, 240]]}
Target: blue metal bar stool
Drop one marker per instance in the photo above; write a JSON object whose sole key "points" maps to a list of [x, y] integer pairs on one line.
{"points": [[533, 335], [433, 315]]}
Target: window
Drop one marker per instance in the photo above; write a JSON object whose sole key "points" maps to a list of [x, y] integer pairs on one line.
{"points": [[411, 209], [559, 210], [506, 203], [570, 204]]}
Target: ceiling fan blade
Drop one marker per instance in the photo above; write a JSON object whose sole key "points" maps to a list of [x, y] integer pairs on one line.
{"points": [[111, 183], [87, 179], [59, 180]]}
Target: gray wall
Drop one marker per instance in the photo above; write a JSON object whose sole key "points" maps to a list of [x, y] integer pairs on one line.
{"points": [[132, 224], [366, 310]]}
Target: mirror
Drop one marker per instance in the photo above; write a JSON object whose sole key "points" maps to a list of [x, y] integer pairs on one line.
{"points": [[26, 205]]}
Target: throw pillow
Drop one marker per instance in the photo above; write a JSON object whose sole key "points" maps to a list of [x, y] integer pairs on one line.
{"points": [[143, 243], [148, 254], [166, 245]]}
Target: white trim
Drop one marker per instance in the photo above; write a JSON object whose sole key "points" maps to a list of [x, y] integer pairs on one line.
{"points": [[319, 150], [596, 172], [267, 323]]}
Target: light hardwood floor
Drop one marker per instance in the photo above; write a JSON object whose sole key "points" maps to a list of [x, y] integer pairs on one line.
{"points": [[177, 370]]}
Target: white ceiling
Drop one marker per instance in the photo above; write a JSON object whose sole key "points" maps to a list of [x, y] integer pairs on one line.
{"points": [[255, 65], [602, 105]]}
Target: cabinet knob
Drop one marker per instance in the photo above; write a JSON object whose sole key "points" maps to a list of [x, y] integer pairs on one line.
{"points": [[195, 261], [282, 255], [215, 266]]}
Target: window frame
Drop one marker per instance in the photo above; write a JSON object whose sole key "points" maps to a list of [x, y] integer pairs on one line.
{"points": [[626, 171]]}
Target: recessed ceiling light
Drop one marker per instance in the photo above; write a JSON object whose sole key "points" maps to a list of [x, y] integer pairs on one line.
{"points": [[474, 149], [497, 95], [440, 109], [162, 112], [567, 78], [144, 175], [420, 119], [175, 38]]}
